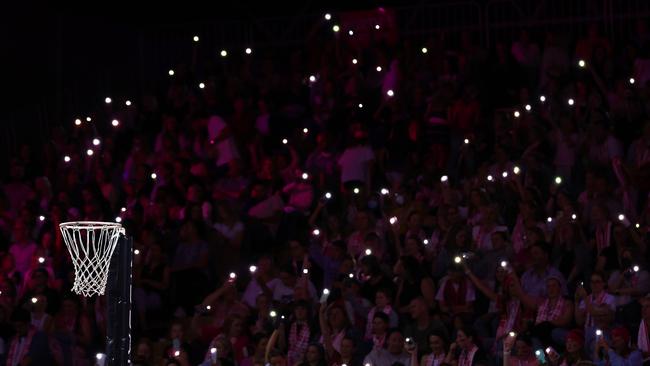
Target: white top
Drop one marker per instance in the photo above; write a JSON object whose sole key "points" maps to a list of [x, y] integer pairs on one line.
{"points": [[253, 290], [354, 163], [226, 148]]}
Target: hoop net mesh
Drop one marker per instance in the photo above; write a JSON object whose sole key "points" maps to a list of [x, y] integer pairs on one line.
{"points": [[91, 245]]}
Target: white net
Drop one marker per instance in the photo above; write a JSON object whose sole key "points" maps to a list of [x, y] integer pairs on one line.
{"points": [[91, 245]]}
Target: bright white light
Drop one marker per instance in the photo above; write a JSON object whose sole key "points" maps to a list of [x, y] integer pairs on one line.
{"points": [[574, 216], [582, 63], [516, 114], [77, 122], [504, 174], [99, 356], [208, 307], [177, 353], [570, 101], [305, 271], [466, 141], [252, 269], [528, 107], [248, 50], [41, 218], [516, 170], [232, 275], [390, 92], [538, 353], [490, 178], [201, 85], [621, 217], [108, 100], [378, 68], [350, 275], [118, 219], [305, 176], [425, 241], [424, 50], [548, 349], [336, 28], [504, 264], [128, 103], [392, 220], [66, 159], [41, 260], [312, 78], [115, 123], [351, 32], [34, 300], [154, 175], [328, 16], [170, 72], [631, 80], [88, 119], [305, 130], [384, 191], [195, 38], [457, 259], [326, 291], [368, 252], [328, 195], [635, 268], [512, 334], [123, 209], [356, 191], [354, 61], [136, 252], [223, 53], [273, 314], [637, 225], [89, 152], [285, 141], [599, 332], [213, 350], [542, 98], [316, 232], [377, 27], [558, 180], [360, 105], [444, 178], [96, 142], [549, 219]]}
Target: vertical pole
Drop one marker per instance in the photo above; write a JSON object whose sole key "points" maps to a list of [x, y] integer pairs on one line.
{"points": [[118, 304]]}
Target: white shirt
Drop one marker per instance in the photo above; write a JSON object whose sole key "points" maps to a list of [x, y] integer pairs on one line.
{"points": [[253, 290], [226, 147], [354, 163]]}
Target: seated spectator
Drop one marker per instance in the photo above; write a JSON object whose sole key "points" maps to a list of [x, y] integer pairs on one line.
{"points": [[533, 281], [554, 315], [382, 304], [422, 324], [392, 354], [456, 293], [619, 353], [464, 350]]}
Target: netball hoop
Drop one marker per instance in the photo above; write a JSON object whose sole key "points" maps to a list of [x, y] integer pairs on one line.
{"points": [[97, 271]]}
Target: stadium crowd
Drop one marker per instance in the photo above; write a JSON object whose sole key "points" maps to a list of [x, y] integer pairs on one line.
{"points": [[415, 204]]}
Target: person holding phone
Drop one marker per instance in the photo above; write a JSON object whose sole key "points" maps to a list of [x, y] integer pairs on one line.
{"points": [[619, 353], [518, 351], [464, 351], [393, 353], [575, 349]]}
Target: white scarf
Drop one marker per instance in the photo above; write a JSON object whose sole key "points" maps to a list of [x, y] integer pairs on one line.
{"points": [[642, 340], [466, 358]]}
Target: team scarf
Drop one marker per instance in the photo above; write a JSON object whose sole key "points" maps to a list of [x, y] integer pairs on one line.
{"points": [[13, 349], [466, 358], [597, 301], [433, 360], [642, 340], [547, 314], [371, 315], [508, 321], [298, 343]]}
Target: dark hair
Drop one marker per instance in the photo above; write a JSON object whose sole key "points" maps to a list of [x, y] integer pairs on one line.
{"points": [[469, 332], [381, 315]]}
